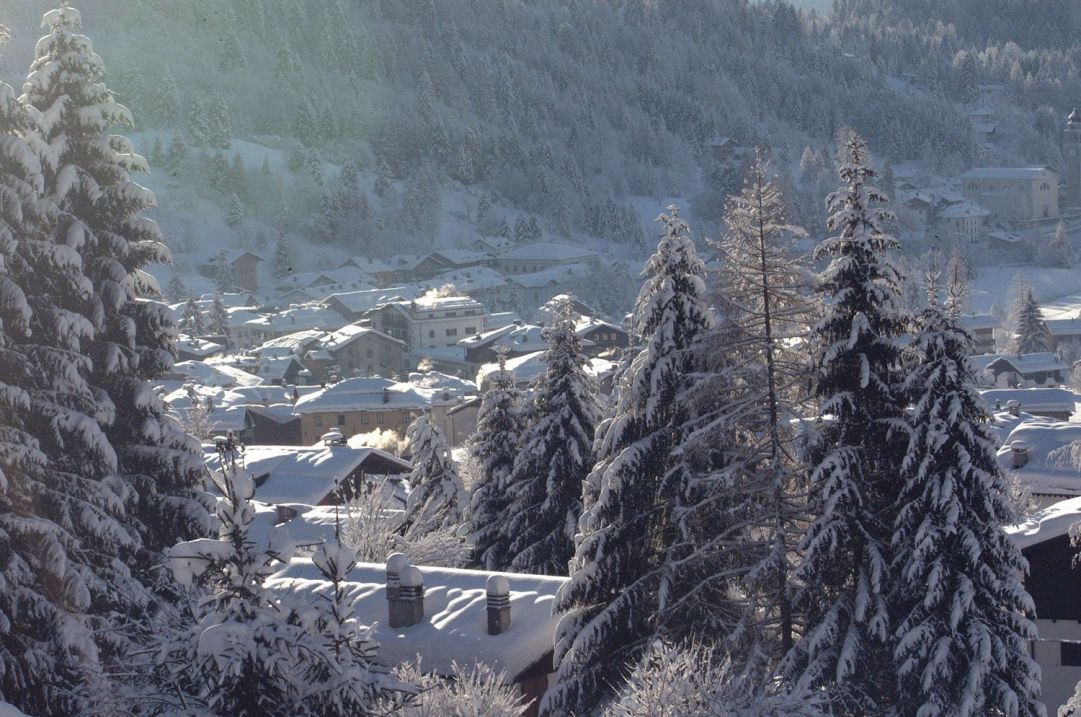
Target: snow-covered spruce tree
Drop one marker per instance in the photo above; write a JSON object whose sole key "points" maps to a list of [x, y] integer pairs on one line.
{"points": [[1029, 334], [964, 620], [235, 216], [63, 532], [219, 319], [847, 644], [545, 484], [87, 176], [493, 447], [176, 290], [224, 280], [437, 496], [615, 599], [283, 261], [748, 397]]}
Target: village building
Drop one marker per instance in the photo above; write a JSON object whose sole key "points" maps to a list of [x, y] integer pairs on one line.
{"points": [[601, 338], [244, 265], [1019, 370], [531, 258], [449, 616], [963, 222], [356, 350], [1071, 158], [429, 322], [983, 328], [298, 317], [362, 405], [1037, 451], [726, 149], [1056, 403], [1053, 581], [1063, 331], [1013, 194]]}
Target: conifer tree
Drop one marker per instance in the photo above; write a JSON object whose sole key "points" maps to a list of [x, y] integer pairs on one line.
{"points": [[545, 484], [615, 601], [219, 319], [223, 273], [437, 498], [176, 291], [492, 447], [283, 261], [846, 648], [134, 340], [63, 528], [749, 396], [167, 99], [178, 153], [192, 321], [1030, 336], [964, 621], [235, 216]]}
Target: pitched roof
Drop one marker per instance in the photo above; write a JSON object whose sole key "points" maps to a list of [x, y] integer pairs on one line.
{"points": [[1007, 173], [549, 251], [367, 393]]}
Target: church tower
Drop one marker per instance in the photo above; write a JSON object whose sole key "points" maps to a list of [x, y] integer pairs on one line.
{"points": [[1071, 155]]}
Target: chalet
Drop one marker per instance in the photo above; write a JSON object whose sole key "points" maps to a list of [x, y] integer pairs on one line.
{"points": [[459, 420], [448, 616], [515, 340], [493, 245], [1019, 370], [361, 405], [274, 425], [189, 348], [295, 344], [726, 149], [603, 338], [527, 367], [356, 350], [352, 305], [296, 318], [1054, 581], [982, 327], [542, 286], [1063, 331], [460, 258], [313, 475], [245, 266]]}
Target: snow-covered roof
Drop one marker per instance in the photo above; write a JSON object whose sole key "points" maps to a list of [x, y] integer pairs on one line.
{"points": [[964, 210], [295, 343], [460, 257], [975, 322], [369, 393], [1007, 173], [442, 381], [522, 339], [350, 333], [455, 623], [1048, 471], [1054, 521], [526, 367], [500, 319], [1063, 327], [548, 251], [497, 245], [305, 474], [196, 346], [465, 280], [1038, 400], [296, 318], [1022, 363], [585, 324], [215, 375], [552, 275], [358, 301], [1004, 236], [274, 368], [240, 316]]}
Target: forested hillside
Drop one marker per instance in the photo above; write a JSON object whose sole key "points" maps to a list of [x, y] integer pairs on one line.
{"points": [[561, 109]]}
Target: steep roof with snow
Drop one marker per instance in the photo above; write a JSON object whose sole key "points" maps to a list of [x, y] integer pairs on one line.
{"points": [[357, 301], [1021, 363], [975, 322], [350, 333], [526, 367], [554, 275], [1063, 327], [1054, 521], [455, 623], [297, 318], [548, 251], [1033, 399], [367, 393], [215, 375], [295, 343], [1007, 173], [306, 474], [1049, 470]]}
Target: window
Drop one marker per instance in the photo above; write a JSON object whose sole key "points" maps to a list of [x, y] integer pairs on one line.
{"points": [[1045, 186], [341, 419], [319, 420], [364, 419], [379, 418], [470, 330], [452, 332], [451, 313], [431, 333], [1070, 654], [369, 353]]}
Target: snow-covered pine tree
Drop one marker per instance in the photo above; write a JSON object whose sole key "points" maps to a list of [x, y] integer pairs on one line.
{"points": [[545, 484], [192, 321], [847, 645], [219, 319], [963, 619], [235, 215], [176, 291], [614, 602], [166, 100], [748, 395], [437, 496], [492, 448], [223, 273], [63, 531], [1030, 335], [88, 177], [178, 153]]}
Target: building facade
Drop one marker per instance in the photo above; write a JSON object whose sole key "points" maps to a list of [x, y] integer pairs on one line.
{"points": [[1013, 194]]}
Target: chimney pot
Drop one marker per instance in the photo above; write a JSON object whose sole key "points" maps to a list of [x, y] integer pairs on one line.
{"points": [[396, 563], [498, 589], [408, 609]]}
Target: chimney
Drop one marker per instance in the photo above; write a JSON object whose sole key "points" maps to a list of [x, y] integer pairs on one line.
{"points": [[396, 563], [386, 395], [408, 609], [1019, 454], [1014, 407], [498, 589]]}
